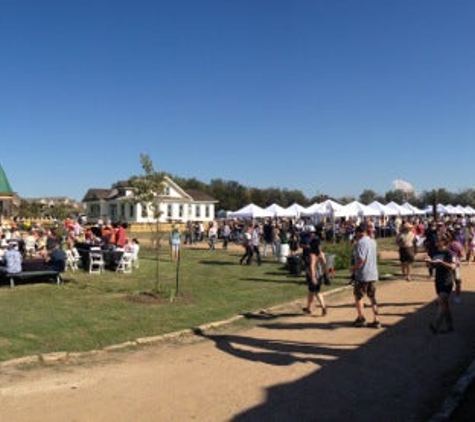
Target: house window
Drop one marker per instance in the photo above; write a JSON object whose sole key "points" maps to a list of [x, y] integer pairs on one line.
{"points": [[180, 211], [167, 190], [113, 212], [122, 210], [95, 210], [190, 210], [207, 211], [169, 210], [144, 211], [131, 210], [198, 211]]}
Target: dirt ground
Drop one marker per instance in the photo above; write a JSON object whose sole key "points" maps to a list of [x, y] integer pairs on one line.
{"points": [[283, 365]]}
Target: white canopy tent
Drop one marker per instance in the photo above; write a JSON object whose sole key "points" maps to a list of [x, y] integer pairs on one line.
{"points": [[469, 210], [452, 210], [414, 210], [440, 209], [295, 210], [278, 211], [461, 210], [325, 208], [356, 209], [382, 209], [250, 211], [399, 209]]}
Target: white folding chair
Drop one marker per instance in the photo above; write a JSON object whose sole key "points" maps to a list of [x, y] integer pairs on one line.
{"points": [[96, 262], [71, 261], [125, 263]]}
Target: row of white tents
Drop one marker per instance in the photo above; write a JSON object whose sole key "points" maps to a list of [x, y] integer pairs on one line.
{"points": [[333, 209]]}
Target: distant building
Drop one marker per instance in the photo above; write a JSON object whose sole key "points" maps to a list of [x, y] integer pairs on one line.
{"points": [[52, 201], [175, 204]]}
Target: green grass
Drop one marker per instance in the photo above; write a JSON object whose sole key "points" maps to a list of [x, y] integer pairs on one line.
{"points": [[91, 311]]}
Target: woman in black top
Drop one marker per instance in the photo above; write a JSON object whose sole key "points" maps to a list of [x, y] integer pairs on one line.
{"points": [[444, 263]]}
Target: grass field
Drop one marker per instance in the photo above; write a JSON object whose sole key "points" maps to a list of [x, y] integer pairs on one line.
{"points": [[91, 311]]}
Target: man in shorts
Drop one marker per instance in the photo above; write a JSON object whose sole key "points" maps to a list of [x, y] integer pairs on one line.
{"points": [[365, 271]]}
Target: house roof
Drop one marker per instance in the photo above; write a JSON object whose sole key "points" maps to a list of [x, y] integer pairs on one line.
{"points": [[97, 194], [198, 195], [5, 187]]}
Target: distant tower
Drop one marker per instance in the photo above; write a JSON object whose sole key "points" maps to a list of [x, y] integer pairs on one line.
{"points": [[7, 196]]}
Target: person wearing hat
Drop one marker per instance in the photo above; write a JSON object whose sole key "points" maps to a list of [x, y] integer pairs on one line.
{"points": [[406, 240]]}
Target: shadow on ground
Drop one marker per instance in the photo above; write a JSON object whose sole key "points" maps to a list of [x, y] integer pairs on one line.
{"points": [[402, 373]]}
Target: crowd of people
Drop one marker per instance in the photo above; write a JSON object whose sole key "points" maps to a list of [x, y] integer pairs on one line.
{"points": [[51, 244], [447, 242]]}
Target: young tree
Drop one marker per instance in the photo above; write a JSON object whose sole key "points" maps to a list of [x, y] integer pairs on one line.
{"points": [[147, 190]]}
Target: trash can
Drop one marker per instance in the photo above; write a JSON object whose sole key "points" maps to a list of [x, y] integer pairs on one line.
{"points": [[283, 252], [294, 264]]}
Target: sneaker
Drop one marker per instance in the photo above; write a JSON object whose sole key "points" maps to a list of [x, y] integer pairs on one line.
{"points": [[359, 322], [306, 311], [324, 312], [433, 328], [374, 324]]}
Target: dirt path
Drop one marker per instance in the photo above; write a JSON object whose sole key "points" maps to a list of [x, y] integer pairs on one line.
{"points": [[288, 366]]}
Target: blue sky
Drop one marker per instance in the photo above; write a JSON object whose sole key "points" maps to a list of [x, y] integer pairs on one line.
{"points": [[326, 96]]}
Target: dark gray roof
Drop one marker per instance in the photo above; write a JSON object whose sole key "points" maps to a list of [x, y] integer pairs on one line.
{"points": [[97, 194], [198, 195]]}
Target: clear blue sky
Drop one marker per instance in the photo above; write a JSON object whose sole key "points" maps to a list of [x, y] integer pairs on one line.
{"points": [[325, 96]]}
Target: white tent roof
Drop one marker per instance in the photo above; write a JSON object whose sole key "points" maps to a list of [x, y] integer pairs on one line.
{"points": [[382, 209], [326, 207], [461, 210], [413, 209], [311, 210], [295, 210], [469, 210], [278, 211], [451, 209], [250, 211], [441, 209], [356, 209], [399, 208]]}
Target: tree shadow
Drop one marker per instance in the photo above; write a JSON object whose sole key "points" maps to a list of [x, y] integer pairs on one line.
{"points": [[271, 351]]}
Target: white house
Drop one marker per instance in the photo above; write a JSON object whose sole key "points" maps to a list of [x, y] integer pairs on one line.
{"points": [[175, 204]]}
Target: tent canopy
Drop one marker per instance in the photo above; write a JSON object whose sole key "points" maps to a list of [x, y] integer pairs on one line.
{"points": [[250, 211], [356, 209]]}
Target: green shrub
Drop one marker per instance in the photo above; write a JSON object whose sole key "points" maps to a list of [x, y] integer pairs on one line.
{"points": [[343, 252]]}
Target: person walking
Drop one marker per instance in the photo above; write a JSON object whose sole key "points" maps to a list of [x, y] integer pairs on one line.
{"points": [[444, 263], [247, 245], [314, 272], [365, 274], [406, 240], [456, 247], [255, 241]]}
